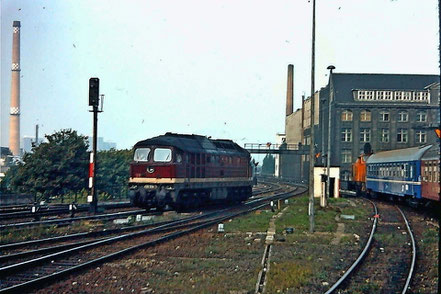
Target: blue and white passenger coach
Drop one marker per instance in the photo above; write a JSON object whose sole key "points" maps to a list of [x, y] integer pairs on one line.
{"points": [[396, 172]]}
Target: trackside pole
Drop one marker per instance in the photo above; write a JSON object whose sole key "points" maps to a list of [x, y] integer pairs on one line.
{"points": [[94, 102]]}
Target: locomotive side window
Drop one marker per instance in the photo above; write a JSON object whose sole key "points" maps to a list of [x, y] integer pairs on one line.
{"points": [[178, 158], [141, 154], [162, 155]]}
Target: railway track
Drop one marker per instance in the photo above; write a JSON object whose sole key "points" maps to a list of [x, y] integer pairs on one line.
{"points": [[45, 268], [64, 221], [25, 211], [267, 188], [387, 262]]}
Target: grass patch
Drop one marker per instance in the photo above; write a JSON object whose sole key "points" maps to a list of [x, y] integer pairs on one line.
{"points": [[38, 232], [254, 222], [391, 237], [430, 236], [286, 275]]}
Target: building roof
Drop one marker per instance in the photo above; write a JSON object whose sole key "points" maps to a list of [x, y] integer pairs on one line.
{"points": [[344, 83], [399, 155]]}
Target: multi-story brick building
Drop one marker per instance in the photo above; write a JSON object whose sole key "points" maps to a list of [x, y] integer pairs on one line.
{"points": [[376, 111]]}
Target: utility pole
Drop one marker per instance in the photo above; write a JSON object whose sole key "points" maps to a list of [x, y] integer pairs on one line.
{"points": [[439, 139], [94, 102], [328, 154], [312, 141]]}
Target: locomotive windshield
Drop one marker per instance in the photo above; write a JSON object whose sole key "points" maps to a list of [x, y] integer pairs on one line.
{"points": [[162, 155], [142, 154]]}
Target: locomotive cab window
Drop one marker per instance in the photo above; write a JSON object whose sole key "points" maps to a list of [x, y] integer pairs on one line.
{"points": [[162, 155], [141, 154]]}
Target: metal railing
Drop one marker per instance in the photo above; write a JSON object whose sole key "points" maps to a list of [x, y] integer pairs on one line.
{"points": [[270, 146]]}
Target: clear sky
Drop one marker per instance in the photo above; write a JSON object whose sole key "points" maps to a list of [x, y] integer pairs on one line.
{"points": [[214, 68]]}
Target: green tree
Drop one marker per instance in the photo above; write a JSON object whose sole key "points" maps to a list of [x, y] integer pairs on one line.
{"points": [[268, 165], [55, 167], [113, 172]]}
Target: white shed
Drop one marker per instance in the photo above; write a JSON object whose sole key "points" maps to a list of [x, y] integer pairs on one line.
{"points": [[320, 185]]}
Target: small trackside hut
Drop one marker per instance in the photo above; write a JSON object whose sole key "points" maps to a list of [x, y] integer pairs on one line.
{"points": [[185, 171]]}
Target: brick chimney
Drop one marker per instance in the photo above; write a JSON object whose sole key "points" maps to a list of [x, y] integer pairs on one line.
{"points": [[289, 90], [14, 121]]}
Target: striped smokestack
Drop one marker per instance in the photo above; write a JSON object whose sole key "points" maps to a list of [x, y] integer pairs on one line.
{"points": [[14, 122], [289, 90]]}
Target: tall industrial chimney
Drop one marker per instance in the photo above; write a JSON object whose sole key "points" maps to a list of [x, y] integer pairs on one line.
{"points": [[289, 90], [14, 122]]}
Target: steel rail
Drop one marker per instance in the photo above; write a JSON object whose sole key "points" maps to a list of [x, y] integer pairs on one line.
{"points": [[360, 257], [412, 265], [24, 212], [72, 219], [91, 234], [56, 275]]}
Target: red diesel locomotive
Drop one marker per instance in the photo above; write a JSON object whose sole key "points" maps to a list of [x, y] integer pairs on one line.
{"points": [[185, 171]]}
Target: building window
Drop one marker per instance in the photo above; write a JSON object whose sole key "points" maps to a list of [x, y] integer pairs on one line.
{"points": [[361, 95], [418, 96], [346, 135], [365, 135], [385, 135], [370, 95], [345, 176], [346, 156], [403, 116], [388, 95], [380, 95], [407, 96], [421, 116], [307, 140], [384, 115], [398, 95], [346, 115], [402, 136], [420, 136], [365, 115]]}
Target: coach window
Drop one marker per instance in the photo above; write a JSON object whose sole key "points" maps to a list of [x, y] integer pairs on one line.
{"points": [[141, 154], [406, 168], [162, 155]]}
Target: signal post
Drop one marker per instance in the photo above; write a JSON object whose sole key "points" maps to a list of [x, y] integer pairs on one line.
{"points": [[94, 101]]}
